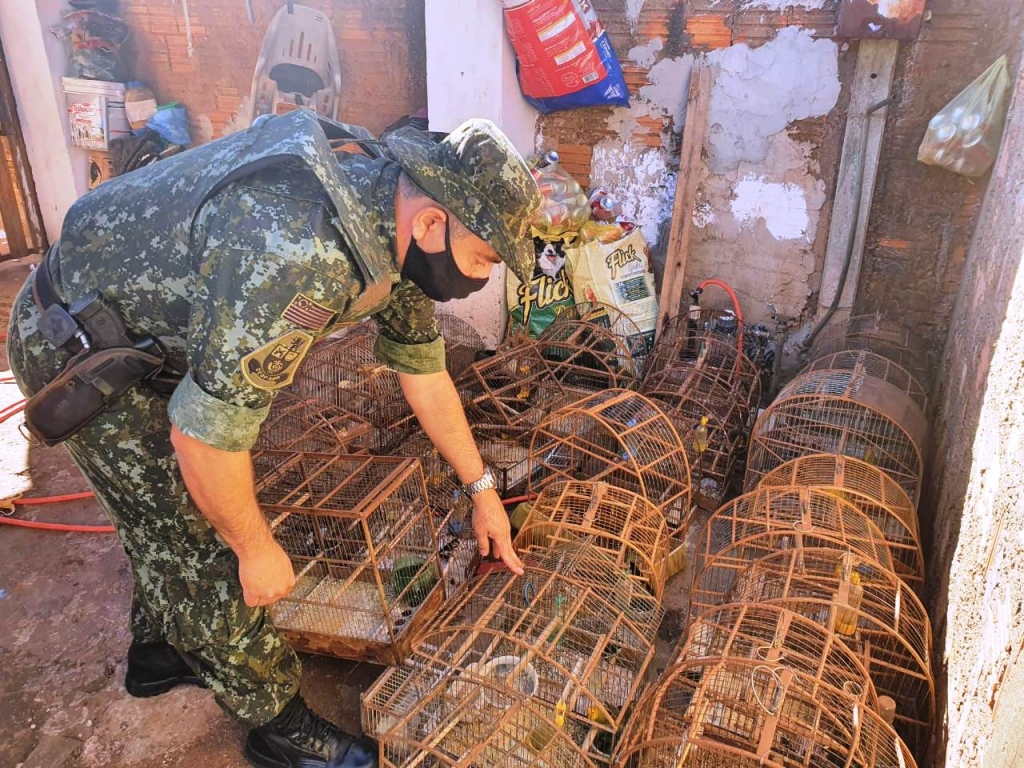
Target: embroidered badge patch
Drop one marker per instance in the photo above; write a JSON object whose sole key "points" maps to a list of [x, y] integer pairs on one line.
{"points": [[306, 313], [273, 365]]}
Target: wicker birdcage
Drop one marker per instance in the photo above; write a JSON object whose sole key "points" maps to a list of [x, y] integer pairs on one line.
{"points": [[778, 636], [588, 357], [531, 670], [876, 333], [844, 413], [688, 398], [748, 713], [514, 388], [867, 607], [867, 363], [361, 537], [765, 521], [720, 359], [298, 424], [623, 439], [506, 450], [344, 372], [461, 342], [630, 529], [621, 324], [873, 492]]}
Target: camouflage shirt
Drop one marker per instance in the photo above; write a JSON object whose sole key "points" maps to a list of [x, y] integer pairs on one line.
{"points": [[268, 274]]}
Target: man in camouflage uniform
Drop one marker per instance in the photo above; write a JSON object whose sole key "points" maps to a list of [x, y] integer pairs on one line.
{"points": [[237, 256]]}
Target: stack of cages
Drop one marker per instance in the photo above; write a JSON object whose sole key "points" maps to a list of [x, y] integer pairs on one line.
{"points": [[620, 438], [362, 540], [307, 424], [516, 671]]}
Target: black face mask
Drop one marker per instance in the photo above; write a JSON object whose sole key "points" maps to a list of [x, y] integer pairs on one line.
{"points": [[437, 274]]}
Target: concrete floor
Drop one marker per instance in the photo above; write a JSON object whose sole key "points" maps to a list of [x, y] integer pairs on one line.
{"points": [[64, 634]]}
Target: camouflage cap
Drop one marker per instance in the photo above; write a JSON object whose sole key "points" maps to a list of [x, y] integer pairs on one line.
{"points": [[478, 175]]}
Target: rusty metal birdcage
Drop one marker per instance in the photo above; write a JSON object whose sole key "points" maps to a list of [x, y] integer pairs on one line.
{"points": [[749, 713], [870, 609], [588, 357], [361, 537], [630, 529], [516, 671], [514, 388], [623, 439], [778, 636], [876, 333], [845, 413], [870, 490], [764, 521], [306, 424], [686, 400], [461, 343], [344, 372]]}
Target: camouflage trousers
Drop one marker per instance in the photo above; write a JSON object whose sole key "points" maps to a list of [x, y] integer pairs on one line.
{"points": [[186, 579]]}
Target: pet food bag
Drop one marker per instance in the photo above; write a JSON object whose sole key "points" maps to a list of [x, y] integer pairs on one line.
{"points": [[564, 57], [533, 307], [964, 137], [617, 274]]}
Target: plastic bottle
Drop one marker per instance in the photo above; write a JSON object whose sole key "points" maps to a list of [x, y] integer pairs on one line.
{"points": [[139, 104], [700, 435]]}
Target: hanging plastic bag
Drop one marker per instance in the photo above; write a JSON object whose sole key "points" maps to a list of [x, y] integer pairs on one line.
{"points": [[964, 137], [93, 42], [171, 122], [564, 57]]}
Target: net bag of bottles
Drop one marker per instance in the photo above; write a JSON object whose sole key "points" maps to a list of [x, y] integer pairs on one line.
{"points": [[964, 137], [563, 55]]}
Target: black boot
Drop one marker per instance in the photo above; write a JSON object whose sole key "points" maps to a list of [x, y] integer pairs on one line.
{"points": [[298, 738], [155, 668]]}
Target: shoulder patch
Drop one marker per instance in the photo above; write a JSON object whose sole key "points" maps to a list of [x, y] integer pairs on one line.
{"points": [[306, 313], [273, 365]]}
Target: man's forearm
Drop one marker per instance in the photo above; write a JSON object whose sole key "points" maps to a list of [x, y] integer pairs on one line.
{"points": [[221, 485], [436, 403]]}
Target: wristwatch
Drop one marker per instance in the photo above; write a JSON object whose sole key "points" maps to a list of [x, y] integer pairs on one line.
{"points": [[485, 483]]}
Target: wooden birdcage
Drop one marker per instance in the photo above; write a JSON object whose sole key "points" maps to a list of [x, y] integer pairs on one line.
{"points": [[765, 521], [626, 526], [461, 343], [867, 363], [873, 492], [876, 333], [844, 413], [361, 537], [588, 357], [870, 609], [306, 424], [748, 713], [506, 450], [623, 439], [514, 388], [675, 355], [344, 372], [688, 398], [531, 670], [778, 636]]}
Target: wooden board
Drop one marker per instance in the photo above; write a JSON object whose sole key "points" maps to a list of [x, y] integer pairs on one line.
{"points": [[694, 131]]}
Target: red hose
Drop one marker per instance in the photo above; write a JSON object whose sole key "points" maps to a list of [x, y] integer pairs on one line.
{"points": [[735, 306], [56, 526], [53, 499], [12, 410]]}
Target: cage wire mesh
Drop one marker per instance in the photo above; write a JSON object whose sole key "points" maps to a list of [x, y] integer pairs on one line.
{"points": [[630, 529], [344, 372], [867, 363], [873, 492], [514, 388], [842, 413], [461, 342], [306, 424], [867, 607], [746, 713], [774, 635], [885, 337], [688, 398], [361, 538], [762, 522], [621, 438], [506, 450], [720, 359], [586, 357], [531, 670]]}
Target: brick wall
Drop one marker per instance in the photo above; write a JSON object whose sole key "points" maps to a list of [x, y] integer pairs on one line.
{"points": [[381, 44]]}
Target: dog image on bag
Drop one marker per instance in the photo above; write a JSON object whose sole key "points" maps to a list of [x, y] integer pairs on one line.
{"points": [[550, 258], [533, 307]]}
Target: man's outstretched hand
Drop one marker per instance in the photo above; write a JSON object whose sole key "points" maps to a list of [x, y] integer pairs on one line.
{"points": [[493, 531]]}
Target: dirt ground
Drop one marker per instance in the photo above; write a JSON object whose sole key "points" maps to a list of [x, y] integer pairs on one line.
{"points": [[64, 634]]}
